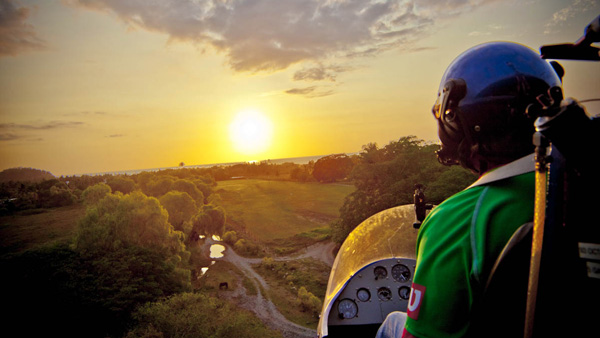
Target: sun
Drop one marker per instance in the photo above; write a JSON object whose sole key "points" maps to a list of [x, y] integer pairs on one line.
{"points": [[251, 132]]}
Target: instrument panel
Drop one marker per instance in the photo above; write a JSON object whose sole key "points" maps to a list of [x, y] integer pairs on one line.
{"points": [[374, 291]]}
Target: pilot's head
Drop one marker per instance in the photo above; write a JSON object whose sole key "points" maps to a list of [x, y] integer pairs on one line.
{"points": [[482, 101]]}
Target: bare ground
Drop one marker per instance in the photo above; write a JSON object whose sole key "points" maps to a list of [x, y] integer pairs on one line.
{"points": [[259, 304]]}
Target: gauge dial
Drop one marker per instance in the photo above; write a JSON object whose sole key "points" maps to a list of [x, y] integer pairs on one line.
{"points": [[404, 292], [347, 309], [384, 294], [380, 272], [363, 295], [401, 273]]}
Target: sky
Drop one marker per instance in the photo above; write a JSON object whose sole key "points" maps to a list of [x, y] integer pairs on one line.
{"points": [[91, 86]]}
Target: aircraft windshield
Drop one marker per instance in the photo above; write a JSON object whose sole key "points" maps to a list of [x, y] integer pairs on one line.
{"points": [[388, 234]]}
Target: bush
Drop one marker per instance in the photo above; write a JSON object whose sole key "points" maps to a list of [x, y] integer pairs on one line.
{"points": [[244, 246], [308, 301], [197, 315], [268, 262], [230, 237]]}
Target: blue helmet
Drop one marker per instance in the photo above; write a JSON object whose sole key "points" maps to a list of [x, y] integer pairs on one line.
{"points": [[482, 102]]}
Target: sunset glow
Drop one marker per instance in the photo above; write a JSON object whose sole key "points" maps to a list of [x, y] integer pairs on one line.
{"points": [[251, 132], [104, 85]]}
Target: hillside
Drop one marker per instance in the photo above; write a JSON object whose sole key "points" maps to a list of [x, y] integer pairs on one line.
{"points": [[25, 174]]}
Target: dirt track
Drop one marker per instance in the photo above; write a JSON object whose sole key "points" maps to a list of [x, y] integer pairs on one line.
{"points": [[260, 305]]}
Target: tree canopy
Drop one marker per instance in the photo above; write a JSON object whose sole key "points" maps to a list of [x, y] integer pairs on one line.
{"points": [[93, 194], [385, 177], [210, 220], [118, 221], [332, 168], [181, 207]]}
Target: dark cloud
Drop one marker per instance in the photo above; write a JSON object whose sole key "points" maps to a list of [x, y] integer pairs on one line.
{"points": [[115, 135], [270, 35], [16, 35]]}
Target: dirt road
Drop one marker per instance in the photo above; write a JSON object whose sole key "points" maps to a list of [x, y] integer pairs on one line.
{"points": [[261, 306]]}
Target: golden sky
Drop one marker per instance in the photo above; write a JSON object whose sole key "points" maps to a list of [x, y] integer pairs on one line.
{"points": [[90, 86]]}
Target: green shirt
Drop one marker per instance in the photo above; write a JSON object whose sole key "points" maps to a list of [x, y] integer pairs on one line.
{"points": [[458, 244]]}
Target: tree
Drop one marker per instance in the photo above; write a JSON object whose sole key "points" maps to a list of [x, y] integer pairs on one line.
{"points": [[209, 220], [159, 186], [120, 221], [332, 168], [204, 187], [121, 184], [190, 188], [93, 194], [449, 183], [133, 251], [300, 174], [385, 177], [180, 206], [59, 197], [65, 292]]}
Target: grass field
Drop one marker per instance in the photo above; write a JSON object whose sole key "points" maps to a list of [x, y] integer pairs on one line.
{"points": [[269, 210], [32, 228], [273, 210]]}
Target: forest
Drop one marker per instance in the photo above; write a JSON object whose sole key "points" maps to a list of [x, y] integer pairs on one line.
{"points": [[130, 262]]}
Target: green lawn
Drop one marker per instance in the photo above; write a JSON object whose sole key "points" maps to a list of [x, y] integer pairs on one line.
{"points": [[281, 209]]}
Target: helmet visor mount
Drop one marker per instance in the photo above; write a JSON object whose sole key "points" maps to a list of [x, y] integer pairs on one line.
{"points": [[445, 111], [482, 101]]}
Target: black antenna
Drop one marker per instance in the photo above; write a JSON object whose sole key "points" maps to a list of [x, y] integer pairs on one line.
{"points": [[581, 49]]}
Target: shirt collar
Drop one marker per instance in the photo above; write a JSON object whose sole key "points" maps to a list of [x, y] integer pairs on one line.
{"points": [[521, 166]]}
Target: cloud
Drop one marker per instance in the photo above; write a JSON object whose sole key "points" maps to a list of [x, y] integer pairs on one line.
{"points": [[41, 125], [8, 136], [310, 92], [271, 35], [85, 113], [115, 135], [16, 35], [573, 9], [14, 131], [320, 73]]}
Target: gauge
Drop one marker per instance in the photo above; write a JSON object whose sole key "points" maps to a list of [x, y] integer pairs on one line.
{"points": [[401, 273], [347, 309], [363, 295], [384, 294], [404, 292], [380, 272]]}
